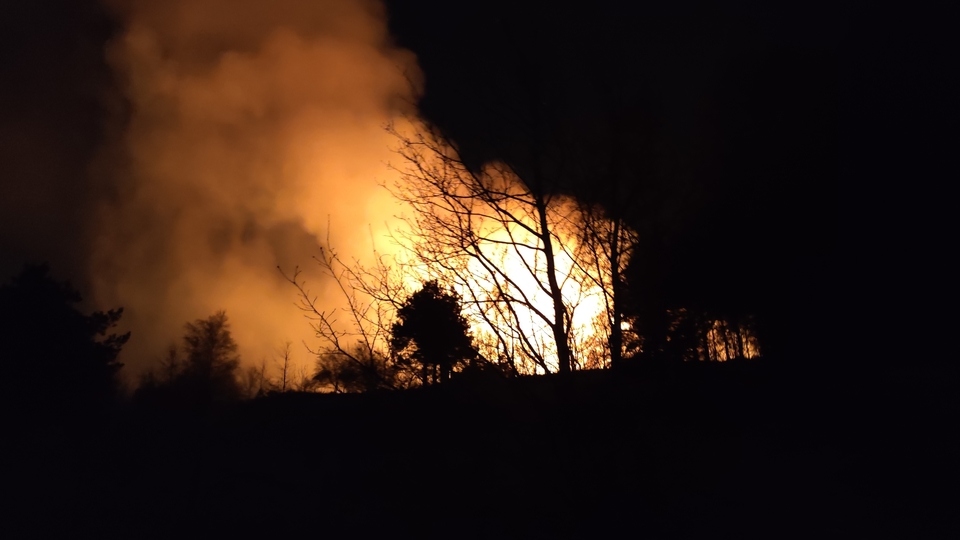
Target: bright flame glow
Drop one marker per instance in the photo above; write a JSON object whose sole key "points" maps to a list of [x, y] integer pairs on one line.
{"points": [[481, 236], [254, 130], [726, 342], [527, 276]]}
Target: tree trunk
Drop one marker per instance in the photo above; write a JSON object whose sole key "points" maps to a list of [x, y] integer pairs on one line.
{"points": [[726, 342], [741, 350], [559, 325], [444, 372], [616, 332]]}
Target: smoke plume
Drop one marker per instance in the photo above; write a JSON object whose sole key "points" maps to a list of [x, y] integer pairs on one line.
{"points": [[251, 130]]}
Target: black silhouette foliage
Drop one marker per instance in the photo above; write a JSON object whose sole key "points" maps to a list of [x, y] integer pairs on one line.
{"points": [[432, 332], [53, 355], [359, 370], [207, 375], [210, 348]]}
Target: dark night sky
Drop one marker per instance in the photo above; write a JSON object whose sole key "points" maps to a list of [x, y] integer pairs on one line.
{"points": [[54, 76], [732, 110], [738, 99]]}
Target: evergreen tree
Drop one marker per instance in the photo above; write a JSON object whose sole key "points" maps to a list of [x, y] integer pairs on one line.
{"points": [[432, 332], [51, 353]]}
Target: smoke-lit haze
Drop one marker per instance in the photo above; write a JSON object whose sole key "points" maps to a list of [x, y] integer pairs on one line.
{"points": [[249, 125]]}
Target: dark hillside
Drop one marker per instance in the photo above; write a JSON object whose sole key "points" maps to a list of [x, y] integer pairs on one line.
{"points": [[676, 452]]}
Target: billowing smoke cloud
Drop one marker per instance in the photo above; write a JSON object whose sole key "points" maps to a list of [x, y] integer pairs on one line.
{"points": [[252, 130]]}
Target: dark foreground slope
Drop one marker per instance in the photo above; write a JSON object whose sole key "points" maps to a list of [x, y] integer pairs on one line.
{"points": [[680, 452]]}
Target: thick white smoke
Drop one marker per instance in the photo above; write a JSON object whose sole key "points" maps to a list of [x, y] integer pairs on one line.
{"points": [[249, 128]]}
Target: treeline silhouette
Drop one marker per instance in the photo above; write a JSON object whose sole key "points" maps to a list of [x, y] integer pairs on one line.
{"points": [[56, 359], [662, 449], [203, 375]]}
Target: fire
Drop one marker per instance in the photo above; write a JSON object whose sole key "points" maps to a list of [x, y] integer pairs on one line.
{"points": [[253, 130], [503, 279], [252, 140], [526, 275]]}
